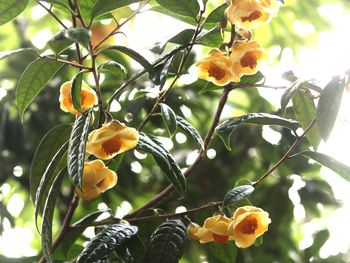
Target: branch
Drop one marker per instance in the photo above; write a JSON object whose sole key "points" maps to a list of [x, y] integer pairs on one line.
{"points": [[53, 15], [286, 155], [71, 63]]}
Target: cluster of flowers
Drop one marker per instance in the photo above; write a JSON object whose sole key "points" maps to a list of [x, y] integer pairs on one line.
{"points": [[245, 226], [245, 56], [104, 143]]}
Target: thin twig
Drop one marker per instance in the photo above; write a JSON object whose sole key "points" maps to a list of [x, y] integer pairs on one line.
{"points": [[71, 63], [53, 15]]}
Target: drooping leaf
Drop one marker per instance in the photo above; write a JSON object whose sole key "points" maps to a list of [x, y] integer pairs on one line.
{"points": [[305, 111], [76, 91], [47, 148], [8, 53], [9, 9], [113, 67], [76, 149], [288, 94], [217, 15], [105, 6], [237, 194], [225, 129], [225, 252], [211, 38], [187, 127], [67, 37], [182, 38], [167, 243], [57, 164], [131, 53], [46, 230], [169, 118], [329, 162], [33, 80], [105, 241], [160, 73], [166, 162], [328, 106], [182, 7]]}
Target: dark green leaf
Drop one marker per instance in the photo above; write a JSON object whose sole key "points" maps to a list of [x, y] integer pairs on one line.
{"points": [[9, 9], [328, 106], [167, 243], [131, 53], [67, 37], [331, 163], [305, 112], [5, 54], [250, 79], [225, 252], [237, 194], [187, 127], [160, 73], [33, 80], [225, 129], [46, 230], [182, 7], [105, 6], [76, 149], [55, 167], [320, 238], [166, 162], [169, 118], [211, 38], [183, 38], [47, 148], [113, 67], [217, 15], [76, 91], [105, 241]]}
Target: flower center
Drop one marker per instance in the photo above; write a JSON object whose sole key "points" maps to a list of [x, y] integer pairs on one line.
{"points": [[249, 60], [111, 146], [220, 239], [253, 16], [216, 72], [248, 226]]}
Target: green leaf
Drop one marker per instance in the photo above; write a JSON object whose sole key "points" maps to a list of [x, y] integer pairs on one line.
{"points": [[131, 53], [319, 239], [329, 162], [8, 53], [113, 67], [76, 148], [289, 93], [250, 79], [225, 252], [57, 164], [237, 194], [169, 118], [166, 162], [9, 9], [105, 241], [105, 6], [217, 15], [33, 80], [48, 146], [187, 127], [182, 38], [67, 37], [167, 243], [328, 106], [160, 73], [46, 230], [225, 129], [182, 7], [211, 38], [76, 91], [305, 112]]}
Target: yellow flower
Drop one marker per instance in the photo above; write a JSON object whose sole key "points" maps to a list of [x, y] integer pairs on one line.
{"points": [[246, 57], [97, 178], [215, 229], [88, 98], [251, 13], [248, 223], [217, 68], [111, 139]]}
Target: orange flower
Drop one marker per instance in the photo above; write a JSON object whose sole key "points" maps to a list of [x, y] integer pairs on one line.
{"points": [[97, 178], [111, 139], [217, 68], [248, 223], [246, 57], [215, 229], [88, 98], [251, 13]]}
